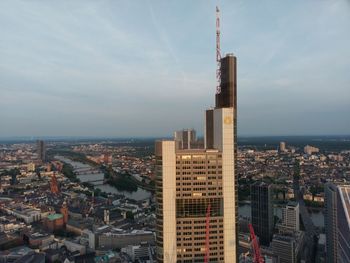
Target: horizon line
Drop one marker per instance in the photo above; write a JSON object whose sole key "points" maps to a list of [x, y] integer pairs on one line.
{"points": [[57, 137]]}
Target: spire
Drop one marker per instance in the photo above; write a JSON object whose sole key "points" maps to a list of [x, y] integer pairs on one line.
{"points": [[218, 52]]}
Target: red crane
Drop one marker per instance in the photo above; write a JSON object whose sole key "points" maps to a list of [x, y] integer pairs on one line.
{"points": [[255, 245], [207, 228]]}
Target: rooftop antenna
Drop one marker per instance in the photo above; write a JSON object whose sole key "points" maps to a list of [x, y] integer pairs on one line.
{"points": [[218, 52]]}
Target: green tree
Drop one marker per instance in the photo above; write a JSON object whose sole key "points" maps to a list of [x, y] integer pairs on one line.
{"points": [[129, 215]]}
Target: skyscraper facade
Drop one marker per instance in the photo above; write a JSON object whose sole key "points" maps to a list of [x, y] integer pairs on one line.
{"points": [[185, 139], [196, 189], [290, 216], [288, 248], [41, 150], [337, 223], [262, 211]]}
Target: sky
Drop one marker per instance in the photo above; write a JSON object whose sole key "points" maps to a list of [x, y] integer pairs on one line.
{"points": [[146, 68]]}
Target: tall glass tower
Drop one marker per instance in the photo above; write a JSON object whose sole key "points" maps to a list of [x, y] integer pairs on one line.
{"points": [[337, 222]]}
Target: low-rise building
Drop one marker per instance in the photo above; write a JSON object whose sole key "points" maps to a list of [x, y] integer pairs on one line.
{"points": [[54, 222], [74, 246], [26, 213], [39, 240], [288, 248], [144, 252], [118, 238]]}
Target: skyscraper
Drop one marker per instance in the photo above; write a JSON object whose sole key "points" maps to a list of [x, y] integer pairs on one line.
{"points": [[337, 223], [41, 150], [196, 189], [262, 211], [288, 248], [290, 217], [282, 147]]}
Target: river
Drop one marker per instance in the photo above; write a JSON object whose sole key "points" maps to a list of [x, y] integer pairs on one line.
{"points": [[86, 173], [90, 174]]}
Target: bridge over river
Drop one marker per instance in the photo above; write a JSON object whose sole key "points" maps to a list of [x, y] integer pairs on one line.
{"points": [[89, 174]]}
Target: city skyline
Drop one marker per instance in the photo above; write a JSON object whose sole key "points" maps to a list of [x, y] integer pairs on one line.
{"points": [[104, 69]]}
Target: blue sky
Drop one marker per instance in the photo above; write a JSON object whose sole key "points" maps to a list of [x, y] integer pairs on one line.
{"points": [[147, 68]]}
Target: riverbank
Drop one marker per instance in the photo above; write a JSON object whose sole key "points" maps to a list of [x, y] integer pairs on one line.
{"points": [[68, 172], [122, 182], [147, 187], [74, 156]]}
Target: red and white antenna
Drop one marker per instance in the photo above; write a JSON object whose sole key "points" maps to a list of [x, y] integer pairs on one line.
{"points": [[218, 52]]}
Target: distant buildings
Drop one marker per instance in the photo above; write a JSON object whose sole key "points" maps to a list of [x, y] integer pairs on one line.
{"points": [[41, 150], [282, 147], [31, 167], [262, 211], [337, 223], [105, 158], [310, 149]]}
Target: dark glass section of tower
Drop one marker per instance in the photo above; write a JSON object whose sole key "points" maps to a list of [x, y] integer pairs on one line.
{"points": [[262, 211], [228, 95], [209, 129]]}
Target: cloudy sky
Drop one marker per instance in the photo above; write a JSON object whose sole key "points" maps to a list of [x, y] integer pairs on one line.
{"points": [[147, 68]]}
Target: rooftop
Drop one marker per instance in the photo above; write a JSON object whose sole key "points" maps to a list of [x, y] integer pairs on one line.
{"points": [[54, 216], [17, 251], [292, 203]]}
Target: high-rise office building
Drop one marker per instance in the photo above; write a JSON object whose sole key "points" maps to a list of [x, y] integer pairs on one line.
{"points": [[337, 223], [41, 150], [282, 147], [262, 211], [288, 248], [330, 220], [196, 189], [290, 217], [185, 139]]}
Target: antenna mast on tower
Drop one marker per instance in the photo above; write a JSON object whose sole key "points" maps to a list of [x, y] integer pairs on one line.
{"points": [[218, 52]]}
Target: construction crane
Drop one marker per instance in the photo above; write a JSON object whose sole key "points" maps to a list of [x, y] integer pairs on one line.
{"points": [[218, 52], [255, 246], [207, 228]]}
